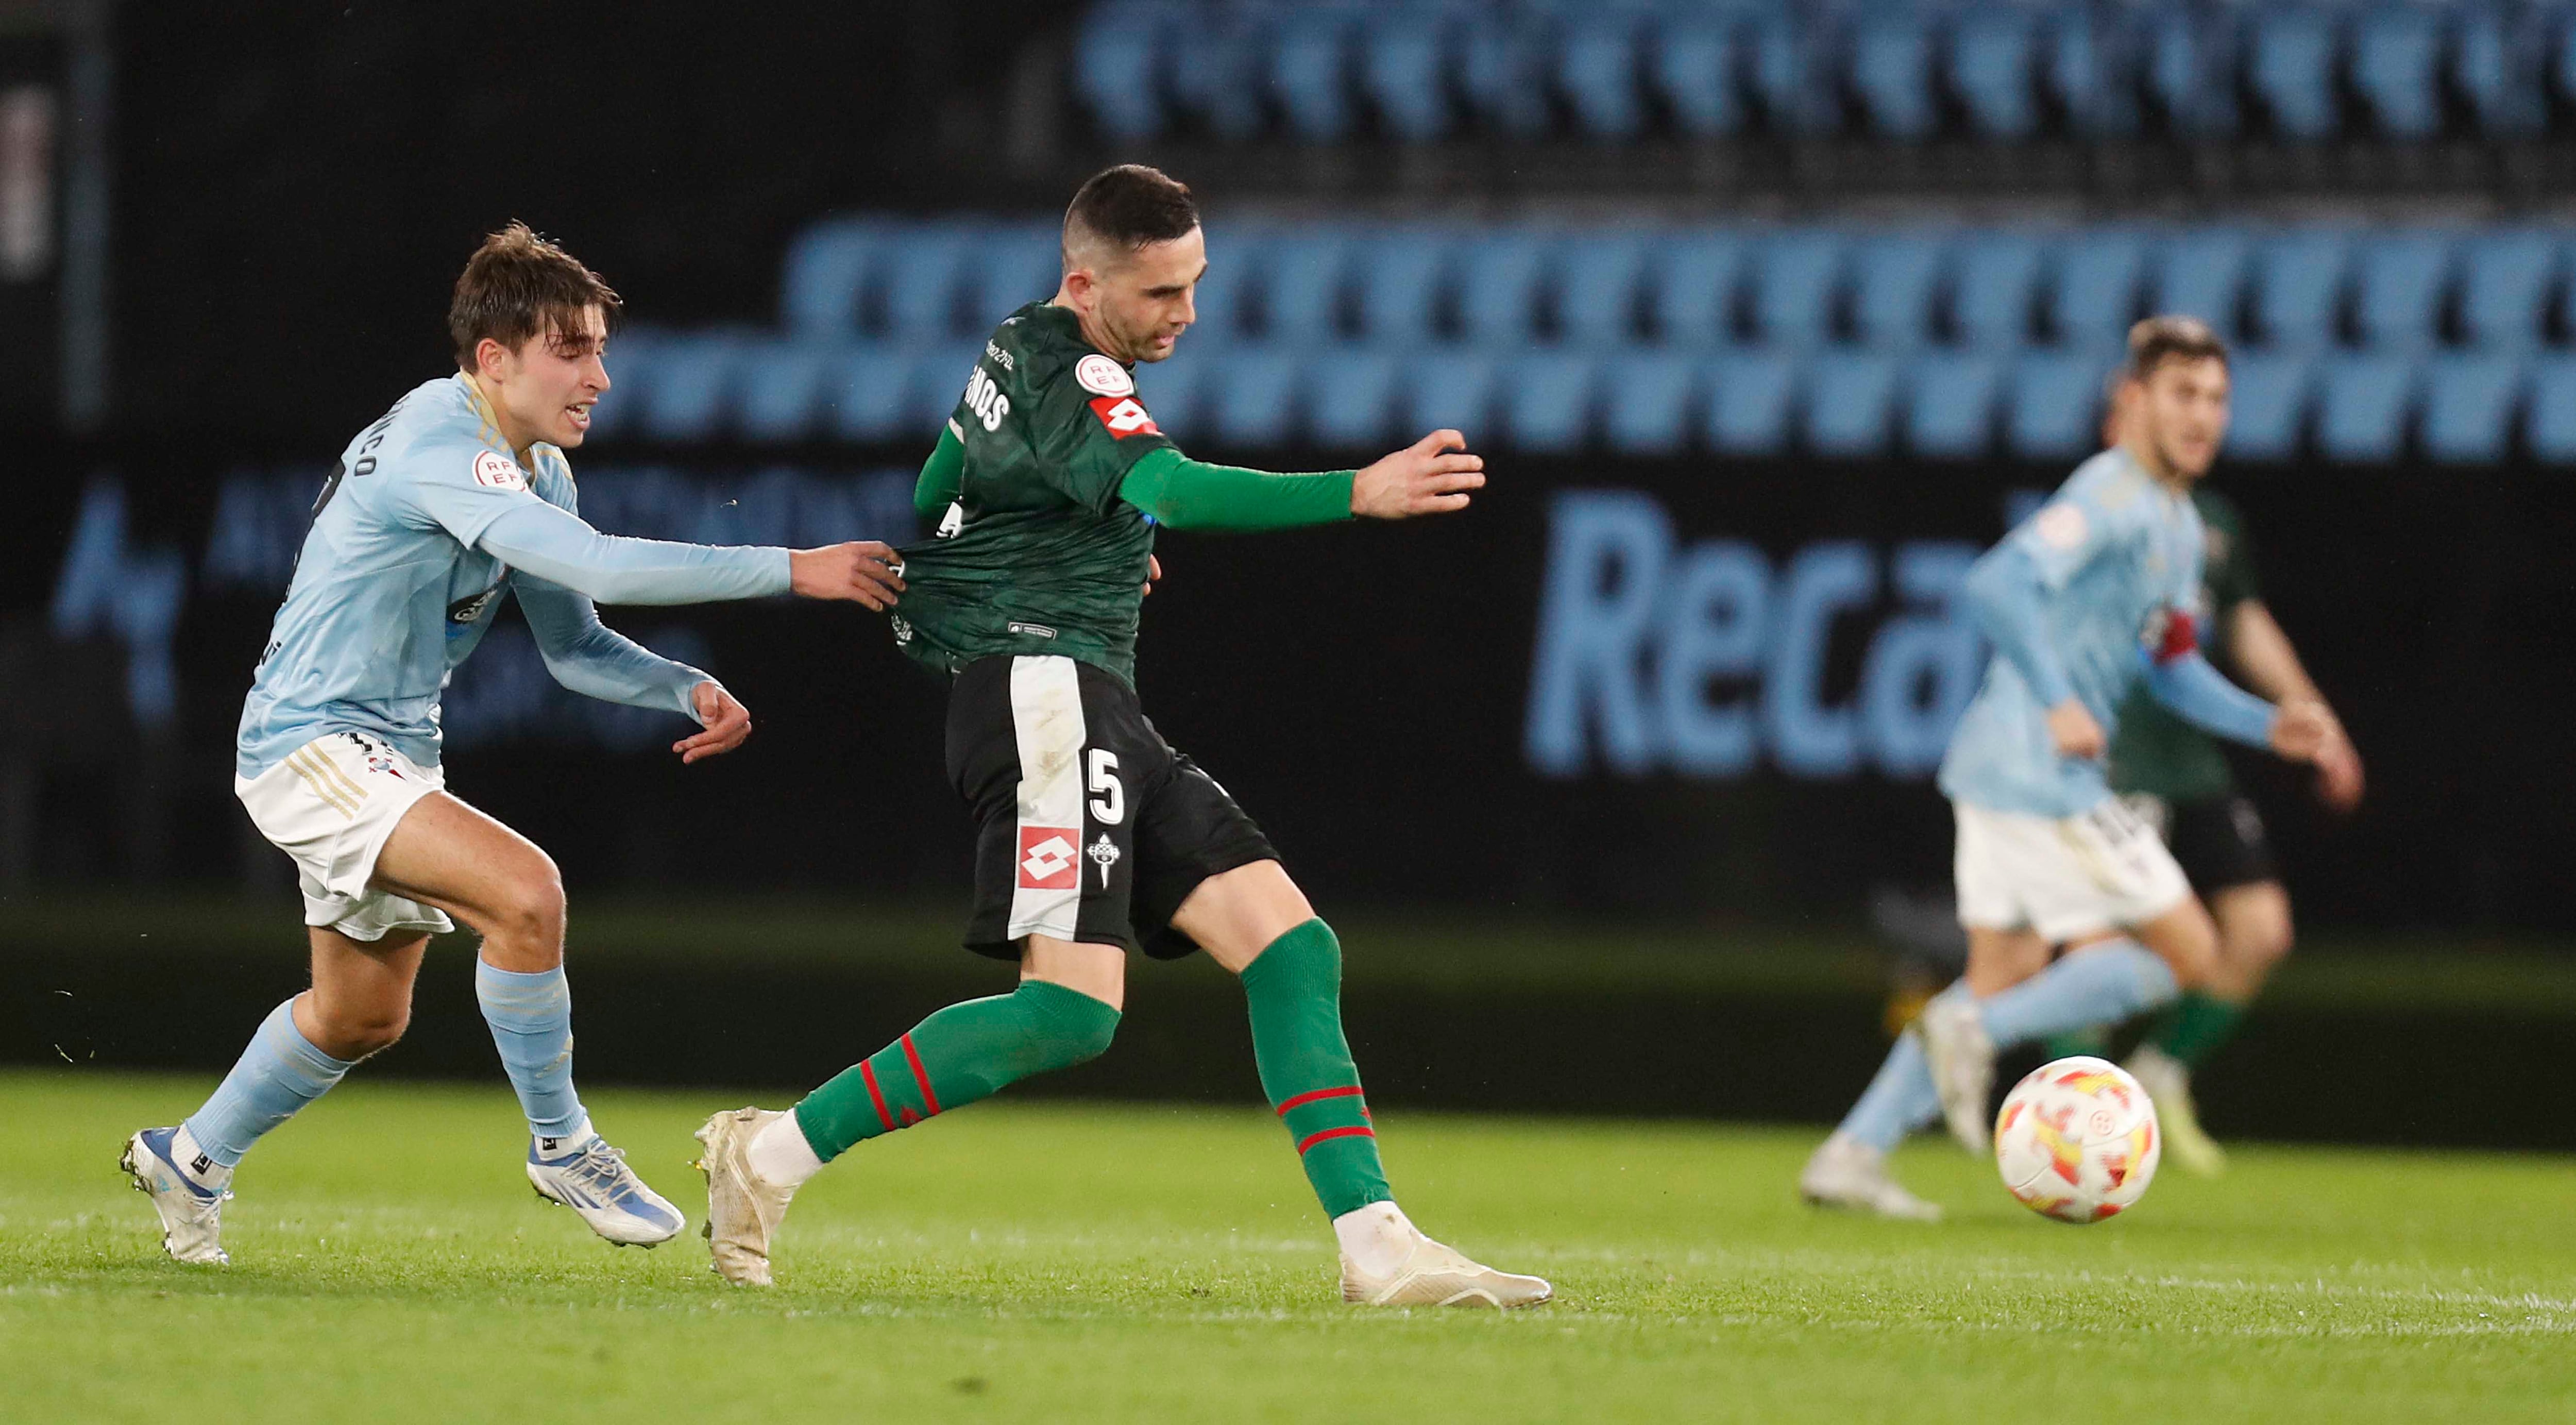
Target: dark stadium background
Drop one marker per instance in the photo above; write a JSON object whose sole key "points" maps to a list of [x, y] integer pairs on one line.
{"points": [[289, 190]]}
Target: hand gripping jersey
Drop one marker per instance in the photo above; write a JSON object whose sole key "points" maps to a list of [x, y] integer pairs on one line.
{"points": [[414, 541], [2119, 562], [1038, 555], [2157, 752]]}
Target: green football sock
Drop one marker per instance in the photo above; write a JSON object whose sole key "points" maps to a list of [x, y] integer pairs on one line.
{"points": [[2195, 1027], [963, 1053], [2095, 1041], [1294, 991]]}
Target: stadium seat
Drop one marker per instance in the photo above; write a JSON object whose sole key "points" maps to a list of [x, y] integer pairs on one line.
{"points": [[1175, 391], [1404, 67], [923, 267], [1950, 405], [1692, 61], [2095, 294], [1991, 55], [2298, 287], [1748, 406], [1498, 287], [1547, 401], [1252, 396], [1596, 70], [1221, 78], [2397, 305], [2191, 68], [1793, 289], [633, 355], [1229, 293], [1891, 70], [1502, 69], [2469, 402], [778, 389], [1009, 268], [2267, 404], [2363, 403], [1398, 274], [1894, 280], [826, 275], [864, 395], [2200, 272], [1452, 387], [1117, 69], [1310, 72], [1851, 403], [1598, 279], [692, 379], [2293, 70], [1302, 296], [2057, 403], [2495, 61], [2092, 71], [2396, 64], [1647, 402], [1990, 298], [1691, 284], [938, 379], [2550, 418], [2505, 278], [1351, 395], [1793, 75]]}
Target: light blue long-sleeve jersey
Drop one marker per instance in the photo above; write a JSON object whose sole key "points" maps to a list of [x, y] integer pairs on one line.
{"points": [[428, 521], [2096, 590]]}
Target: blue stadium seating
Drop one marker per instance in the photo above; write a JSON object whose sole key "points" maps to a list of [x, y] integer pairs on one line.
{"points": [[864, 389], [1303, 299], [923, 267], [1399, 274], [1498, 295], [1692, 288], [780, 391], [1221, 78], [1597, 72], [2056, 405], [1597, 281], [1351, 392], [1308, 69], [1503, 70], [1404, 69], [937, 379], [1693, 67], [1894, 281], [1648, 399], [2495, 61], [692, 376], [2364, 402], [2550, 424], [2396, 64], [2293, 69], [2095, 295], [1452, 387], [1115, 65], [1254, 397], [1892, 70], [1950, 411], [1748, 405], [2267, 404], [1793, 294], [2298, 288], [826, 275], [1793, 74], [1548, 400], [1991, 55], [2191, 70], [1013, 266], [2398, 287], [2468, 406], [2201, 273], [1991, 298], [2090, 68], [1851, 403], [2507, 277], [1177, 391]]}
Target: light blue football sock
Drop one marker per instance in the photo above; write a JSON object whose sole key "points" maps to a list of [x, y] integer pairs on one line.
{"points": [[2099, 984], [1898, 1100], [275, 1077], [531, 1019]]}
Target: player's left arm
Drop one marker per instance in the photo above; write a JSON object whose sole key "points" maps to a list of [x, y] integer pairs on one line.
{"points": [[2183, 680], [2264, 656]]}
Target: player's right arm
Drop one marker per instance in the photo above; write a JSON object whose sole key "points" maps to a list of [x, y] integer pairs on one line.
{"points": [[1430, 477]]}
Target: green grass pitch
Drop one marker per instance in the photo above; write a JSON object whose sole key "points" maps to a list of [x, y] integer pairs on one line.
{"points": [[1143, 1263]]}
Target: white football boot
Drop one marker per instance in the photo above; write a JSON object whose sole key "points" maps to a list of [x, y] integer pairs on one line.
{"points": [[743, 1208], [2168, 1086], [1847, 1173], [1429, 1273], [191, 1229], [594, 1181], [1962, 1059]]}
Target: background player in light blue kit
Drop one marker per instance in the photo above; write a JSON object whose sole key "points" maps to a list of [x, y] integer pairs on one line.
{"points": [[457, 495], [2093, 593]]}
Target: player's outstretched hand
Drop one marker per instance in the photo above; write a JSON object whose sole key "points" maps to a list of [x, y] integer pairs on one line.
{"points": [[2071, 726], [2339, 778], [2302, 729], [862, 570], [725, 723], [1153, 571], [1429, 477]]}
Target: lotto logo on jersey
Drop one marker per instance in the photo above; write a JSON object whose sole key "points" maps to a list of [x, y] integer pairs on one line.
{"points": [[1048, 858], [1123, 416], [493, 468]]}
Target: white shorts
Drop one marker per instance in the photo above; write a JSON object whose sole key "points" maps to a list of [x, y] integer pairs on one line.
{"points": [[2101, 870], [330, 804]]}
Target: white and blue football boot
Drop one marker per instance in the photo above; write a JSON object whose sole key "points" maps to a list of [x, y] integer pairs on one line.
{"points": [[593, 1180], [191, 1226]]}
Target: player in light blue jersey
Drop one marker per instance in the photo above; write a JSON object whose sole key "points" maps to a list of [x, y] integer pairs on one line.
{"points": [[2094, 593], [457, 496]]}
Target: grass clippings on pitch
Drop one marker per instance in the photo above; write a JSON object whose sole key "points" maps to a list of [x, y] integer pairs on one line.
{"points": [[1131, 1263]]}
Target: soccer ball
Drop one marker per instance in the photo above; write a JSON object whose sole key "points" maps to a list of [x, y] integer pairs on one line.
{"points": [[2077, 1140]]}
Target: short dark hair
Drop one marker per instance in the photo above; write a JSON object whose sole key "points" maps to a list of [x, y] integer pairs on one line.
{"points": [[2158, 340], [517, 283], [1129, 207]]}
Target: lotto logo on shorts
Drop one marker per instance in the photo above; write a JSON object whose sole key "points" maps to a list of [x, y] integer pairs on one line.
{"points": [[1048, 858], [1123, 416]]}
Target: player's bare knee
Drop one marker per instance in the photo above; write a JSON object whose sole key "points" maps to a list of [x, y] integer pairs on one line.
{"points": [[528, 916], [354, 1029]]}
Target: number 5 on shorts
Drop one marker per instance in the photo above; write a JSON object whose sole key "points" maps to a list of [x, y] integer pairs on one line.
{"points": [[1110, 808]]}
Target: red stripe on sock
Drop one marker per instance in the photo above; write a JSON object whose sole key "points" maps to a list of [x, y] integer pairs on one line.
{"points": [[919, 1075], [869, 1073], [1311, 1139], [1303, 1099]]}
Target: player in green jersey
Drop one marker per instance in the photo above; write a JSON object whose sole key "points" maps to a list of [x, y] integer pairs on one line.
{"points": [[1096, 838], [2179, 781]]}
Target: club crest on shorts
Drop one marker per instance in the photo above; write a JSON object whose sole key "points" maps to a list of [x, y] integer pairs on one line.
{"points": [[1048, 856], [1104, 854]]}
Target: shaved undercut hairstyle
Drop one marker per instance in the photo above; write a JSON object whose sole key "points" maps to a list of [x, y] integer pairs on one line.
{"points": [[515, 286], [1125, 209], [2158, 340]]}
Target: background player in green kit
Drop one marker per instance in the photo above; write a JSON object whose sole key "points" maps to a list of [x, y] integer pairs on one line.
{"points": [[2180, 782], [1096, 837]]}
